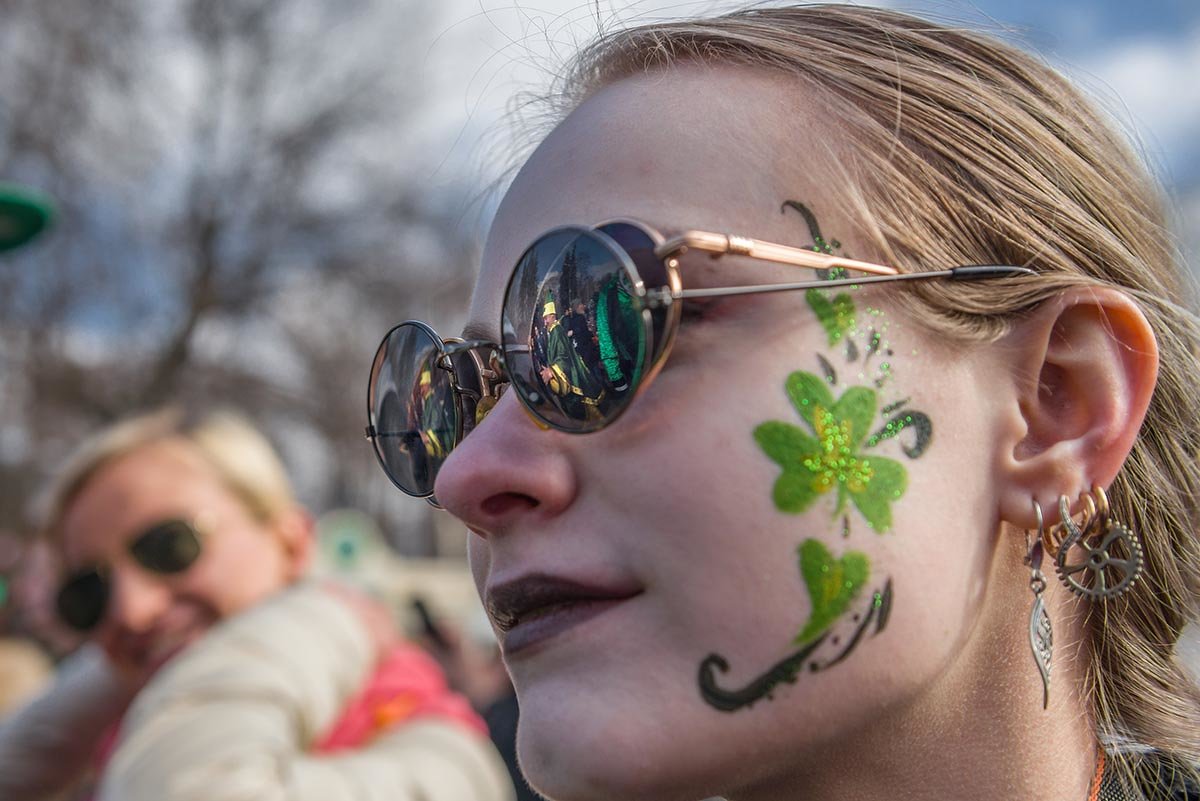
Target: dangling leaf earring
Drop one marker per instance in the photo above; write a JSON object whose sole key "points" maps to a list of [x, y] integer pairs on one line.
{"points": [[1108, 554], [1041, 637]]}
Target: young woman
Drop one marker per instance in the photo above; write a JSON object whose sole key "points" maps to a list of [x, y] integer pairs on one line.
{"points": [[217, 672], [918, 525]]}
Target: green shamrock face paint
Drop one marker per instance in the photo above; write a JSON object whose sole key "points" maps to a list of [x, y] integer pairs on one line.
{"points": [[830, 453], [831, 448]]}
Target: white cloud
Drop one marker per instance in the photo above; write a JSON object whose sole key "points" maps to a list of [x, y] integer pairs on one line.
{"points": [[1157, 82]]}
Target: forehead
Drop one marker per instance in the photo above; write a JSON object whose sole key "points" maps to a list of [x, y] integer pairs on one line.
{"points": [[716, 148], [156, 481]]}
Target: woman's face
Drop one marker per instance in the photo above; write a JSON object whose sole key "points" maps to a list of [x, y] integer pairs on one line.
{"points": [[150, 616], [746, 574]]}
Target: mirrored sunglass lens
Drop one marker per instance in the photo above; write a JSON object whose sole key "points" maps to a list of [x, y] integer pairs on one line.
{"points": [[169, 547], [413, 408], [639, 245], [82, 600], [575, 333]]}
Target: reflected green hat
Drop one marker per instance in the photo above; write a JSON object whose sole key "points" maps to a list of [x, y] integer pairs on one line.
{"points": [[23, 215]]}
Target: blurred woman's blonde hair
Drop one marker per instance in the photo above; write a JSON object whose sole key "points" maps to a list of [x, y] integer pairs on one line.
{"points": [[966, 150], [242, 458]]}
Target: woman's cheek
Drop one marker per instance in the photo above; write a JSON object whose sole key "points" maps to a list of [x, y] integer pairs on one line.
{"points": [[842, 458]]}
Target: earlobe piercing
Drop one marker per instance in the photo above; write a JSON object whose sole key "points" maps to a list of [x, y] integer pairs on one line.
{"points": [[1041, 636], [1097, 558]]}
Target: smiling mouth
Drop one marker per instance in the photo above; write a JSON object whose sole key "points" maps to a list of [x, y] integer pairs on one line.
{"points": [[533, 609]]}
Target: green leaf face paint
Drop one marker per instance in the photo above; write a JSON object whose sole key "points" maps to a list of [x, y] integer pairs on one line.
{"points": [[836, 316], [832, 585], [830, 448]]}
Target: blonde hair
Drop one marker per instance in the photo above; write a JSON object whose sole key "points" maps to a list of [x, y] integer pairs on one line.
{"points": [[970, 151], [241, 457]]}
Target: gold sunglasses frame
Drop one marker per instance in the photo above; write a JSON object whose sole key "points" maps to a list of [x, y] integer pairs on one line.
{"points": [[492, 372]]}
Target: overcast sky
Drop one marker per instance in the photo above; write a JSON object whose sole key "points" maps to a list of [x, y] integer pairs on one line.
{"points": [[1142, 60]]}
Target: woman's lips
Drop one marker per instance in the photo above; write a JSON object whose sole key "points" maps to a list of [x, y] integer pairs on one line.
{"points": [[536, 608]]}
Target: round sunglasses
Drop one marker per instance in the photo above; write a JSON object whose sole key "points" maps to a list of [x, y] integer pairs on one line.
{"points": [[165, 548], [587, 321]]}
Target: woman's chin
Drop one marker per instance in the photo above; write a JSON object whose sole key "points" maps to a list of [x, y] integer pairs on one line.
{"points": [[595, 761], [604, 775]]}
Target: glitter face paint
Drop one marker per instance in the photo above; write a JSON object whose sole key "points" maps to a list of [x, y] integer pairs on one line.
{"points": [[830, 451]]}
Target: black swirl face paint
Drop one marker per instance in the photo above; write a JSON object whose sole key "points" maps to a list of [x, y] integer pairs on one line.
{"points": [[830, 449], [786, 670]]}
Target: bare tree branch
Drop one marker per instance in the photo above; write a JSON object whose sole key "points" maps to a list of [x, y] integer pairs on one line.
{"points": [[226, 235]]}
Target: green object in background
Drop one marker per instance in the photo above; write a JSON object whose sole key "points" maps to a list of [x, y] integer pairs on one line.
{"points": [[348, 540], [23, 215], [3, 591]]}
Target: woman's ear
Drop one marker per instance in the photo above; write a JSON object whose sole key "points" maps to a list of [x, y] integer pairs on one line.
{"points": [[296, 531], [1085, 363]]}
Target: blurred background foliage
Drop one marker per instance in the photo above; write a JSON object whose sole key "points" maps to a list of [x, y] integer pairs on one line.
{"points": [[234, 227]]}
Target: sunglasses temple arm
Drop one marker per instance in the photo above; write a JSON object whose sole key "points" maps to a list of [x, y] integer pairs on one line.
{"points": [[969, 273], [721, 244]]}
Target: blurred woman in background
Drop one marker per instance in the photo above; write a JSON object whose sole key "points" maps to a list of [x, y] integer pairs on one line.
{"points": [[217, 671]]}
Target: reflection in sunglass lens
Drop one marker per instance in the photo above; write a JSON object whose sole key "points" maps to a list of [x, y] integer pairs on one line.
{"points": [[82, 599], [650, 268], [413, 408], [575, 331], [169, 547]]}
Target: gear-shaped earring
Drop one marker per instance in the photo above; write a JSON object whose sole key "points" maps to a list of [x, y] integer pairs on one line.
{"points": [[1109, 553]]}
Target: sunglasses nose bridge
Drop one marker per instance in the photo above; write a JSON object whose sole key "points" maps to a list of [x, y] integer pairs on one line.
{"points": [[486, 364], [488, 402], [502, 472]]}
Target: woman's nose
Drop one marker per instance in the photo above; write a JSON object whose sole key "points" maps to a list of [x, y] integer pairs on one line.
{"points": [[136, 600], [508, 470]]}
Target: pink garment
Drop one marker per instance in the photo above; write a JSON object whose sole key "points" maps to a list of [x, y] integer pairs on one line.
{"points": [[407, 684]]}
